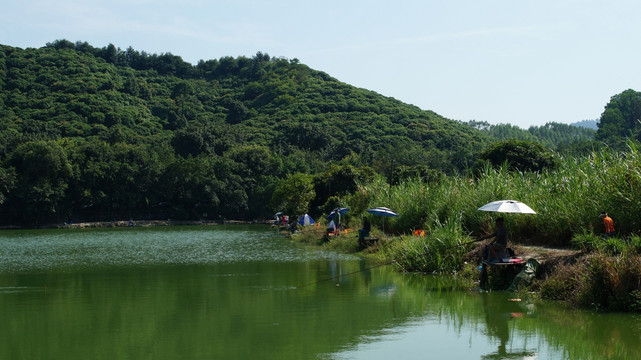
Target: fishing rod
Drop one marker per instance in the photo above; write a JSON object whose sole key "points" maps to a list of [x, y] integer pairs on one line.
{"points": [[380, 265], [347, 274]]}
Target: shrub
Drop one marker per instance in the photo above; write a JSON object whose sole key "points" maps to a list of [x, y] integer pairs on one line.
{"points": [[520, 155], [628, 292], [599, 282], [561, 284]]}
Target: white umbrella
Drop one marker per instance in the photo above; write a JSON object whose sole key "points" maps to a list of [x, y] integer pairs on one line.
{"points": [[507, 206]]}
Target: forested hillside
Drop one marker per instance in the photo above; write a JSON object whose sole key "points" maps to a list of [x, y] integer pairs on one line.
{"points": [[104, 134], [98, 133]]}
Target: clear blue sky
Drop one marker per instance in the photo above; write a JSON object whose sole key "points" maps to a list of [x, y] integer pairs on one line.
{"points": [[521, 62]]}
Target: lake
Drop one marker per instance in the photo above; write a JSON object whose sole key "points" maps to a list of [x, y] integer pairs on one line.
{"points": [[245, 292]]}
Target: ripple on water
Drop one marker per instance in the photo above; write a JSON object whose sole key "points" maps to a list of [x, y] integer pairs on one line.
{"points": [[39, 250], [19, 289]]}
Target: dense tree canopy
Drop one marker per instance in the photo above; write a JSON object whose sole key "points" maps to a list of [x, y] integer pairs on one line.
{"points": [[519, 155], [551, 134]]}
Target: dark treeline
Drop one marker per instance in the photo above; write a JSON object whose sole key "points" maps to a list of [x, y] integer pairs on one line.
{"points": [[105, 134], [551, 135]]}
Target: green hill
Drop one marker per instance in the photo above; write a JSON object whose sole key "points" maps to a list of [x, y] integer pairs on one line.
{"points": [[92, 133], [97, 133]]}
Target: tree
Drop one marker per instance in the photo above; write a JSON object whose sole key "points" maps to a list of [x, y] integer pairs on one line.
{"points": [[520, 155], [236, 111], [7, 182], [294, 194], [188, 141], [43, 175], [621, 117], [195, 194], [110, 53], [61, 44], [259, 170], [338, 180]]}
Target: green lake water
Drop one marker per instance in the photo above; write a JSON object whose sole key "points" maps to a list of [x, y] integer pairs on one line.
{"points": [[247, 293]]}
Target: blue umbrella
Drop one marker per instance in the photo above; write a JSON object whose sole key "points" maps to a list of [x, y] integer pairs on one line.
{"points": [[341, 211], [382, 211]]}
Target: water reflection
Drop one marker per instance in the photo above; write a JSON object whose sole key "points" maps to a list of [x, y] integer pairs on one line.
{"points": [[498, 314], [80, 295]]}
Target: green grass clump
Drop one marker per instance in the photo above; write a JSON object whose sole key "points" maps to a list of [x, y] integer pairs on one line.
{"points": [[441, 250], [634, 244], [313, 235], [343, 243], [611, 246], [586, 241]]}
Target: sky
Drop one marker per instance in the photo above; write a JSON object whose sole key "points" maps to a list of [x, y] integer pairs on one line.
{"points": [[519, 62]]}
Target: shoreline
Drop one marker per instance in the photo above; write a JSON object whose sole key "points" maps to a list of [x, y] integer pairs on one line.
{"points": [[139, 223]]}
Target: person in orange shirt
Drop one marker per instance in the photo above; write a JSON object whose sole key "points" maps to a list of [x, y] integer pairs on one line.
{"points": [[608, 223]]}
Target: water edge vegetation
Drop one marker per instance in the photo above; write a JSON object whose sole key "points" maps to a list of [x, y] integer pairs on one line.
{"points": [[605, 274]]}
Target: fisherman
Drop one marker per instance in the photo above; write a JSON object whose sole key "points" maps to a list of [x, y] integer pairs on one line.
{"points": [[499, 244], [609, 225], [364, 232], [336, 216], [331, 228]]}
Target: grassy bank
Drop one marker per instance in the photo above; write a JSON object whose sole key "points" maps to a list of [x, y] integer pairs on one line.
{"points": [[567, 200]]}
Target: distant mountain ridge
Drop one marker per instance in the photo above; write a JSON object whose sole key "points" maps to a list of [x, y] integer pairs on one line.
{"points": [[551, 134], [589, 124]]}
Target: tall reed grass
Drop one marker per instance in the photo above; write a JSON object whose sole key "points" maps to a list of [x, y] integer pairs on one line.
{"points": [[567, 200]]}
